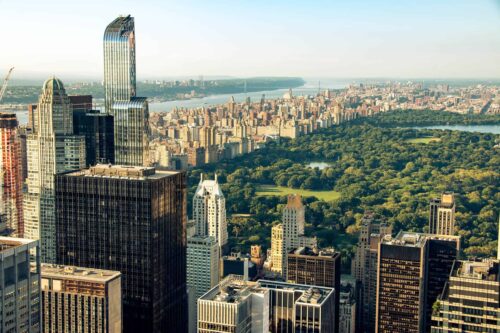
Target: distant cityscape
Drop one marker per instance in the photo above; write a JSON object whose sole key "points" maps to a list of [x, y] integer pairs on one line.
{"points": [[96, 237]]}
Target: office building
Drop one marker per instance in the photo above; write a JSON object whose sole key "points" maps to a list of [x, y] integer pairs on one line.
{"points": [[132, 220], [442, 215], [130, 113], [470, 301], [239, 264], [300, 308], [364, 269], [76, 299], [316, 268], [347, 309], [99, 135], [11, 178], [19, 285], [236, 305], [202, 271], [209, 211], [412, 269], [51, 149]]}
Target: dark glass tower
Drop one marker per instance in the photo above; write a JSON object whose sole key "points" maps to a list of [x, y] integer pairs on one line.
{"points": [[132, 220], [412, 268], [316, 268]]}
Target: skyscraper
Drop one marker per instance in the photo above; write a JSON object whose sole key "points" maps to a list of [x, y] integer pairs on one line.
{"points": [[99, 135], [119, 61], [51, 149], [364, 269], [132, 220], [209, 211], [442, 215], [202, 271], [412, 267], [316, 268], [80, 299], [289, 235], [19, 285], [470, 301], [130, 113], [11, 178]]}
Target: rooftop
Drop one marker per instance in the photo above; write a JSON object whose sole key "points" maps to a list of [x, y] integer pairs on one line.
{"points": [[307, 251], [12, 242], [233, 289], [122, 171], [487, 270], [312, 296], [78, 273], [414, 239]]}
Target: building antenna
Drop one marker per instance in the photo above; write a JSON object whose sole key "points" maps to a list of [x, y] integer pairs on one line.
{"points": [[319, 87]]}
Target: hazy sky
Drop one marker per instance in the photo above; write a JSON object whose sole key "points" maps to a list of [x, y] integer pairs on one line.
{"points": [[309, 38]]}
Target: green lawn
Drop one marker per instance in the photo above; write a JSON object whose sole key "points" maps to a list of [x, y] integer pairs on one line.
{"points": [[426, 140], [281, 191]]}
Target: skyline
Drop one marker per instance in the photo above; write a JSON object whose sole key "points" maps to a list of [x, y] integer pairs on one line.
{"points": [[363, 40]]}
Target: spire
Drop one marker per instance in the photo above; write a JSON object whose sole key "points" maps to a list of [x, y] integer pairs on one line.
{"points": [[201, 178], [216, 178]]}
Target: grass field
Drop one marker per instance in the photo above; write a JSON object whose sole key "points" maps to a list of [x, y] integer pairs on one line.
{"points": [[426, 140], [267, 190]]}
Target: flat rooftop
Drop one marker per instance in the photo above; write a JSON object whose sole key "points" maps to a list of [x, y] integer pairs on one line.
{"points": [[233, 289], [307, 251], [414, 239], [7, 243], [487, 270], [122, 172], [77, 273]]}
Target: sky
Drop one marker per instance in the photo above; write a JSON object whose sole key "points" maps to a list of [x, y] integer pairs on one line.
{"points": [[245, 38]]}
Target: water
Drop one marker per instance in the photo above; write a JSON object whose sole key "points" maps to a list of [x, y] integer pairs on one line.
{"points": [[319, 165], [309, 88], [494, 129]]}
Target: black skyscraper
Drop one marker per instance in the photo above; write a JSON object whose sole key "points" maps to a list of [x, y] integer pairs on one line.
{"points": [[132, 220]]}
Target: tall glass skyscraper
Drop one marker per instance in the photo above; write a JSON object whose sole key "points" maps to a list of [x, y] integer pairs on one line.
{"points": [[119, 61], [131, 117]]}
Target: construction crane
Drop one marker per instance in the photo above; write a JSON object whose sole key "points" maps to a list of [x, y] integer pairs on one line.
{"points": [[5, 82]]}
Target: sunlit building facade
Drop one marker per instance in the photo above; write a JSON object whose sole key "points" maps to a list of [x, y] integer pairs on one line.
{"points": [[130, 113], [11, 181], [51, 149]]}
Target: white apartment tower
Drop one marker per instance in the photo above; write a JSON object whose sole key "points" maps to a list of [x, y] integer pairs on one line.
{"points": [[442, 215], [51, 149], [289, 234], [209, 211]]}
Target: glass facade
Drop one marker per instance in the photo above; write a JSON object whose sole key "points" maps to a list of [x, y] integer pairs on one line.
{"points": [[132, 220]]}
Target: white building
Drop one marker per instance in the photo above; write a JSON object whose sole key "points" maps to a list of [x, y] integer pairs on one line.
{"points": [[289, 235], [209, 211], [51, 149]]}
